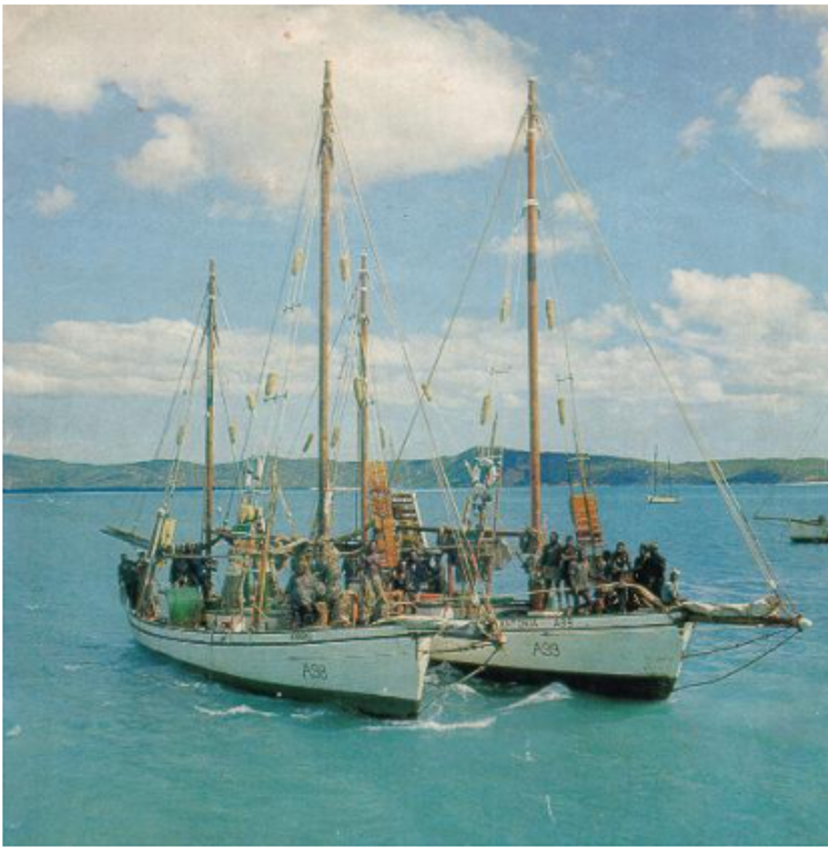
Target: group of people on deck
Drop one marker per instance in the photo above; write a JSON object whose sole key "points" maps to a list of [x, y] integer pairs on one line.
{"points": [[326, 586], [569, 578]]}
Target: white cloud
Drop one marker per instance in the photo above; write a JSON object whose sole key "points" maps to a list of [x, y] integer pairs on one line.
{"points": [[49, 204], [814, 12], [415, 92], [231, 209], [171, 159], [695, 135], [766, 335], [548, 246], [745, 352], [773, 116], [572, 205], [569, 233]]}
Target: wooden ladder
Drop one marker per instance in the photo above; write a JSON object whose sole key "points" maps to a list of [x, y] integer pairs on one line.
{"points": [[407, 516], [583, 507]]}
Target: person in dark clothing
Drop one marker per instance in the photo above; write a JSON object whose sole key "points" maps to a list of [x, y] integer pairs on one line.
{"points": [[604, 567], [420, 573], [569, 556], [180, 570], [656, 570], [640, 568], [128, 578], [551, 578], [200, 575], [400, 579]]}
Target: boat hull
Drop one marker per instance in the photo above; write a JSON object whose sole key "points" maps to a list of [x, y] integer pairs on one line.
{"points": [[636, 656], [808, 532], [662, 500], [377, 670]]}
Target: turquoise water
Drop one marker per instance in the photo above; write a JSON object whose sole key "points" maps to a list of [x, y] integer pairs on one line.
{"points": [[106, 743]]}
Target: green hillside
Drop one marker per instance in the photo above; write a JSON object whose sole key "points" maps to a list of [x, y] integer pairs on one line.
{"points": [[29, 474]]}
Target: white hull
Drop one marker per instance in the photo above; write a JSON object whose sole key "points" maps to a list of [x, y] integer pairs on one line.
{"points": [[803, 531], [662, 500], [637, 655], [379, 670]]}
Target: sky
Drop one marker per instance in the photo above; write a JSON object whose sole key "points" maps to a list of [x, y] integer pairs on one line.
{"points": [[140, 142]]}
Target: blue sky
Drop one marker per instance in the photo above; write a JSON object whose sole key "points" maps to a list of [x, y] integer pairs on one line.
{"points": [[158, 139]]}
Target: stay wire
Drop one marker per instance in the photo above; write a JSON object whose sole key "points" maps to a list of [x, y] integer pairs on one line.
{"points": [[481, 244], [731, 502]]}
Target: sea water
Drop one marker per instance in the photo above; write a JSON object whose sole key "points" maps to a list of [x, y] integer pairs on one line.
{"points": [[105, 742]]}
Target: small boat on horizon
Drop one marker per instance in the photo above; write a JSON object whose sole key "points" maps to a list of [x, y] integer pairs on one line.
{"points": [[656, 497]]}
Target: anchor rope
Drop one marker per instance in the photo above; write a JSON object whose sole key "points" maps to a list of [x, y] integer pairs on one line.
{"points": [[735, 646], [741, 668]]}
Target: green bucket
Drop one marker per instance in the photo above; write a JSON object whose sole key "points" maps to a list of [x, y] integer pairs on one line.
{"points": [[185, 605]]}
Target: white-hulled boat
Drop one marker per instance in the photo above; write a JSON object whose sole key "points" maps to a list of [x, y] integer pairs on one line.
{"points": [[251, 636], [630, 656], [626, 642], [802, 529], [378, 670], [659, 498], [808, 531]]}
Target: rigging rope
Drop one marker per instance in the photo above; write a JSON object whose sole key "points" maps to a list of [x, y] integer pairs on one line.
{"points": [[466, 554], [740, 668], [174, 400], [625, 290], [464, 285], [809, 435]]}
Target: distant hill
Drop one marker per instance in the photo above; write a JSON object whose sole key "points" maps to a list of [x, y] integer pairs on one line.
{"points": [[29, 474]]}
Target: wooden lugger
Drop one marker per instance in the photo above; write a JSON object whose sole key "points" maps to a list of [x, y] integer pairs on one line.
{"points": [[379, 670]]}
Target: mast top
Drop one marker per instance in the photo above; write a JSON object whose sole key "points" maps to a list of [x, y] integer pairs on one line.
{"points": [[327, 86], [211, 284]]}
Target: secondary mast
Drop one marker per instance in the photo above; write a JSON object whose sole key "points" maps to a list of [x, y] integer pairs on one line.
{"points": [[326, 169], [209, 466], [532, 307], [364, 426]]}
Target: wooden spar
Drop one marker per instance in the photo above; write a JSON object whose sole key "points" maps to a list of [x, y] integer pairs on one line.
{"points": [[532, 307], [326, 168], [364, 426], [209, 467]]}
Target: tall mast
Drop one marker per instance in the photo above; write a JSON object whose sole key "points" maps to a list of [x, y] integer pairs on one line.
{"points": [[326, 168], [532, 306], [209, 466], [364, 426], [655, 471]]}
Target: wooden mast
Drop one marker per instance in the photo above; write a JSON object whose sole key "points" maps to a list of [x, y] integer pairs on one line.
{"points": [[209, 466], [326, 168], [532, 308], [364, 426]]}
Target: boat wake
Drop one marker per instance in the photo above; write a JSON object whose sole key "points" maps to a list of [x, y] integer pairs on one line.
{"points": [[235, 711], [552, 693], [308, 716], [434, 726], [14, 732]]}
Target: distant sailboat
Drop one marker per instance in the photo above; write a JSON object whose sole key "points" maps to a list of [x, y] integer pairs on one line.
{"points": [[803, 530], [656, 498]]}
